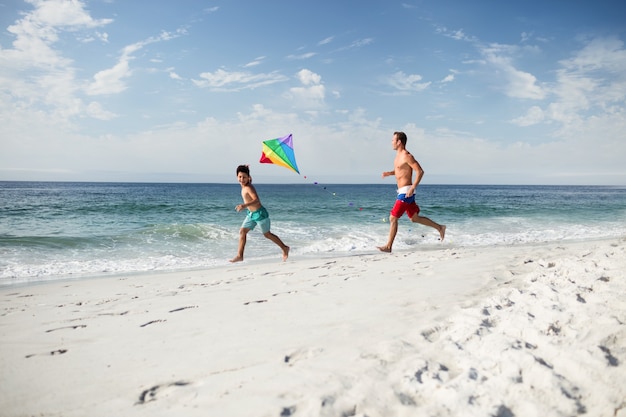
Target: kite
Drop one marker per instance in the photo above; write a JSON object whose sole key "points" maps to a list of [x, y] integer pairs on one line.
{"points": [[279, 151]]}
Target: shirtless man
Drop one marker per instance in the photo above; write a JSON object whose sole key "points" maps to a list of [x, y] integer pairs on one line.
{"points": [[403, 167], [257, 214]]}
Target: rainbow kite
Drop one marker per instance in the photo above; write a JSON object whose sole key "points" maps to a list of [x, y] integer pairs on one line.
{"points": [[279, 151]]}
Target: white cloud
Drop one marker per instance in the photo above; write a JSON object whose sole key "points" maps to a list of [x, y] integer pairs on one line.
{"points": [[523, 85], [532, 117], [407, 82], [595, 76], [357, 44], [308, 97], [326, 41], [104, 37], [448, 78], [96, 111], [600, 53], [38, 30], [518, 84], [498, 58], [458, 34], [36, 74], [302, 56], [308, 77], [313, 92], [361, 42], [255, 62], [111, 80], [222, 80], [63, 13], [591, 84]]}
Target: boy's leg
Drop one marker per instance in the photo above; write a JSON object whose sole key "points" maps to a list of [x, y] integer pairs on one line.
{"points": [[243, 234], [271, 236]]}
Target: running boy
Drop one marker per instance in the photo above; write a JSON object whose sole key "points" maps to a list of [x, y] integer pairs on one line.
{"points": [[257, 214]]}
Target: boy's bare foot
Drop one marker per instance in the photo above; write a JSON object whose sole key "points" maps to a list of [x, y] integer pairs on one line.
{"points": [[286, 253], [384, 249], [442, 232], [237, 259]]}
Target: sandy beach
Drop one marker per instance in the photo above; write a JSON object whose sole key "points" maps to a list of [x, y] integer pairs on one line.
{"points": [[472, 331]]}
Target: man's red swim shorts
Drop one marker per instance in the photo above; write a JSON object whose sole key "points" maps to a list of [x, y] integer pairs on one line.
{"points": [[403, 205]]}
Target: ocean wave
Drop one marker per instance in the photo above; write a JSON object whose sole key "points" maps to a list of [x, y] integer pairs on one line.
{"points": [[50, 231]]}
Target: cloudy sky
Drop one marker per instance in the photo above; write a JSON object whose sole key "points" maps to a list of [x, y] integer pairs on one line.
{"points": [[488, 92]]}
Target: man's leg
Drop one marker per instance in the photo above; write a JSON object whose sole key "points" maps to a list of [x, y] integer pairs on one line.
{"points": [[393, 230], [427, 222]]}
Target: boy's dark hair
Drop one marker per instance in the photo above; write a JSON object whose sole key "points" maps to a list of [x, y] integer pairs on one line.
{"points": [[401, 137], [243, 168]]}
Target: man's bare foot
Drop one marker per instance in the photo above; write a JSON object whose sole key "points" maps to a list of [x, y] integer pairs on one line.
{"points": [[237, 259], [286, 253], [442, 232], [384, 249]]}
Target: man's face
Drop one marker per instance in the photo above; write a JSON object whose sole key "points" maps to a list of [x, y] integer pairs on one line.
{"points": [[395, 142]]}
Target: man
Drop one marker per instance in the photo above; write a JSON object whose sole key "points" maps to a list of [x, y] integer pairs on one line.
{"points": [[403, 167]]}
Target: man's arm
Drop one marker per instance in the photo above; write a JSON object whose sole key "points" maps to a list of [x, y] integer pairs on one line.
{"points": [[419, 173], [389, 173]]}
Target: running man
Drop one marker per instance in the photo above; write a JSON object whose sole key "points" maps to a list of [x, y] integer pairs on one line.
{"points": [[403, 167]]}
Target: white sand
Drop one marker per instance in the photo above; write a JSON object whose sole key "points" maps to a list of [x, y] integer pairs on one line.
{"points": [[507, 331]]}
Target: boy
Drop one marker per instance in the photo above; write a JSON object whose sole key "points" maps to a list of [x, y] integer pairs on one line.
{"points": [[257, 214]]}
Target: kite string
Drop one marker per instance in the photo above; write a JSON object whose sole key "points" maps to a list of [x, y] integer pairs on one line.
{"points": [[351, 204], [334, 194]]}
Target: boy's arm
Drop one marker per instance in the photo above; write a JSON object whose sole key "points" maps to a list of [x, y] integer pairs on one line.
{"points": [[250, 198]]}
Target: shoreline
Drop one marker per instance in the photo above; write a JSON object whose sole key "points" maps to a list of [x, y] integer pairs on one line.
{"points": [[534, 329], [267, 260]]}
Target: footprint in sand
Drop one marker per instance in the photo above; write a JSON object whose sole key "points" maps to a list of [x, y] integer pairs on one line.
{"points": [[301, 354], [435, 371], [78, 326], [150, 394], [51, 353], [254, 302], [182, 308], [152, 322]]}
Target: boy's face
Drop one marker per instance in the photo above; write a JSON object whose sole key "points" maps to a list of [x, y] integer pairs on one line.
{"points": [[243, 178]]}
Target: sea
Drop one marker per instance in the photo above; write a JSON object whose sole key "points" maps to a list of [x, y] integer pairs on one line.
{"points": [[74, 230]]}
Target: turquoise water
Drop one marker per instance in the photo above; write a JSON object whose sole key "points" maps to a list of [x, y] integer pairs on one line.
{"points": [[58, 230]]}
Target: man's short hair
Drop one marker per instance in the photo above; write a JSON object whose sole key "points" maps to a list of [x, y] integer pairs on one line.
{"points": [[401, 137]]}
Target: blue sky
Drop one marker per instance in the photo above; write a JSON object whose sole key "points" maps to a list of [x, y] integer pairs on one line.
{"points": [[488, 92]]}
